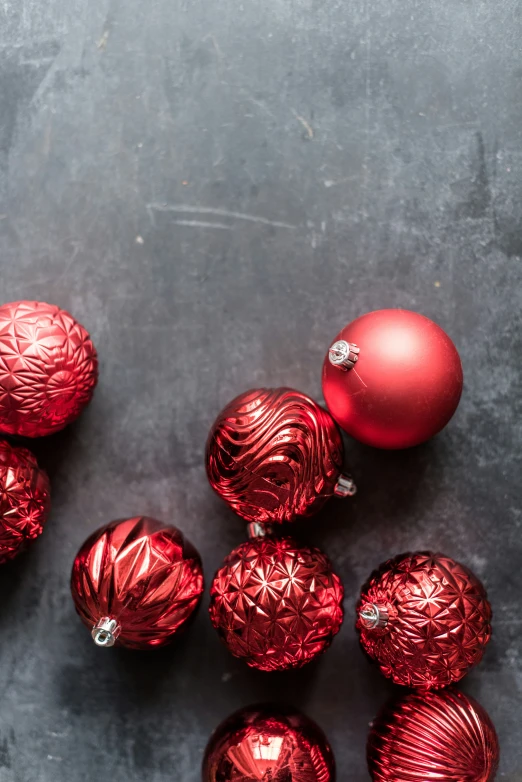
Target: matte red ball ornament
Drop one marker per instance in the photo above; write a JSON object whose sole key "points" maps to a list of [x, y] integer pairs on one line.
{"points": [[274, 455], [48, 368], [136, 582], [425, 619], [276, 604], [443, 736], [25, 500], [268, 744], [392, 379]]}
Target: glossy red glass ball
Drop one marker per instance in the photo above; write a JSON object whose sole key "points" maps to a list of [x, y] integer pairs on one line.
{"points": [[136, 582], [268, 743], [404, 385], [276, 604], [25, 499], [48, 368], [425, 619], [443, 736]]}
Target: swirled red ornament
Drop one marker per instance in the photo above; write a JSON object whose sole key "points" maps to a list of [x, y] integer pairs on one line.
{"points": [[24, 499], [276, 604], [274, 455], [443, 736], [268, 743], [136, 582], [48, 368], [425, 619]]}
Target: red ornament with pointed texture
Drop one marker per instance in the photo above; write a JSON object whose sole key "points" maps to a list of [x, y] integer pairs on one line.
{"points": [[425, 619], [268, 743], [274, 455], [392, 378], [136, 582], [24, 499], [443, 736], [276, 604], [48, 368]]}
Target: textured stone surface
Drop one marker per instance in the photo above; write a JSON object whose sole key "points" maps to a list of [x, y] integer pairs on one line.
{"points": [[213, 190]]}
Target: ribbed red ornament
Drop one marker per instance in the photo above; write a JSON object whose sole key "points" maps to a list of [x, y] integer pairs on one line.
{"points": [[276, 604], [25, 499], [48, 368], [274, 455], [136, 582], [425, 619], [443, 737], [268, 744], [392, 378]]}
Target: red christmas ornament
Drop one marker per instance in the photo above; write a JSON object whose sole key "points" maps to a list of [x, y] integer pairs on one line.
{"points": [[25, 500], [136, 582], [274, 455], [276, 604], [392, 379], [443, 736], [48, 368], [425, 619], [268, 743]]}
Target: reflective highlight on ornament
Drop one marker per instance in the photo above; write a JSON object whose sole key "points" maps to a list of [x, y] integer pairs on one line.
{"points": [[268, 743], [274, 455], [48, 368], [25, 499], [425, 619], [443, 736], [276, 604], [136, 582]]}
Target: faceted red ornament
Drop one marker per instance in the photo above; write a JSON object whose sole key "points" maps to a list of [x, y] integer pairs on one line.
{"points": [[48, 368], [443, 736], [274, 455], [276, 604], [136, 582], [392, 379], [425, 619], [272, 744], [25, 499]]}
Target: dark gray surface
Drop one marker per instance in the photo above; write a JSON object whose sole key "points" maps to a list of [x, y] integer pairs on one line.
{"points": [[386, 137]]}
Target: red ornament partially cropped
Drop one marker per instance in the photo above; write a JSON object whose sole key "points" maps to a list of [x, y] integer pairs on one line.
{"points": [[392, 379], [48, 368], [425, 619], [274, 455], [443, 736], [136, 582], [276, 604], [268, 743], [25, 500]]}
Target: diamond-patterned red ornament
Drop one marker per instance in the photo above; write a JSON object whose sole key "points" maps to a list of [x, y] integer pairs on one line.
{"points": [[425, 619], [24, 499], [48, 368], [275, 603]]}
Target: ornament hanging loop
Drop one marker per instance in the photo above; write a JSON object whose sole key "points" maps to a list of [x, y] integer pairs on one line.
{"points": [[343, 355], [105, 632], [374, 616], [255, 529]]}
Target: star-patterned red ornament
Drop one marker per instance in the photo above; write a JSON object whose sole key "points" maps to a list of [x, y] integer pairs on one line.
{"points": [[24, 499], [276, 604], [425, 619], [48, 368]]}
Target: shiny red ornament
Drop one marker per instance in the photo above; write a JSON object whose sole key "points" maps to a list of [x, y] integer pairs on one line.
{"points": [[276, 604], [443, 736], [268, 744], [425, 619], [392, 378], [48, 368], [274, 455], [136, 582], [25, 500]]}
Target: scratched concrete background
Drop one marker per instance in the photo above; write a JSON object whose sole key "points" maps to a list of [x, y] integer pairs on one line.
{"points": [[214, 188]]}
